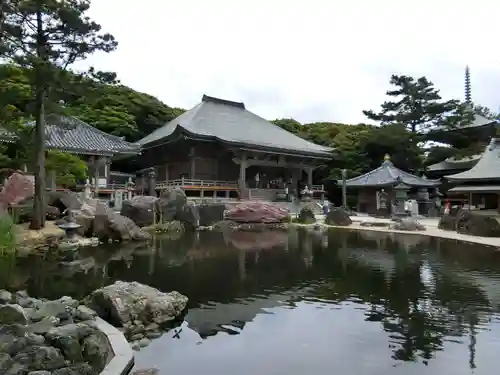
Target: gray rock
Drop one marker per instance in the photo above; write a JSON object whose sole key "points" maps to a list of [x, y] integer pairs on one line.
{"points": [[124, 302], [153, 334], [51, 308], [12, 339], [84, 313], [5, 362], [17, 369], [97, 350], [140, 209], [165, 307], [408, 224], [338, 216], [42, 372], [77, 330], [5, 297], [78, 369], [12, 314], [108, 225], [22, 299], [69, 346], [144, 342], [43, 326], [40, 358]]}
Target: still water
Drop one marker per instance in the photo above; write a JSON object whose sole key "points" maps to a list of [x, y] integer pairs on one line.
{"points": [[302, 302]]}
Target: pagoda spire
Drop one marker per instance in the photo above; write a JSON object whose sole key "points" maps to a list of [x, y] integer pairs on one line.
{"points": [[468, 96]]}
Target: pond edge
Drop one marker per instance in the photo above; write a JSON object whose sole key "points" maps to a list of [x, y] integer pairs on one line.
{"points": [[123, 359]]}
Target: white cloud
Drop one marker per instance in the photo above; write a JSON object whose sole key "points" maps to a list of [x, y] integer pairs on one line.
{"points": [[315, 60]]}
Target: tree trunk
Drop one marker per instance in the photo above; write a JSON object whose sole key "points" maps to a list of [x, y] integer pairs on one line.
{"points": [[38, 219]]}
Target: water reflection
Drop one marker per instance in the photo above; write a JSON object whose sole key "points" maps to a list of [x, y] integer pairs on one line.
{"points": [[419, 295]]}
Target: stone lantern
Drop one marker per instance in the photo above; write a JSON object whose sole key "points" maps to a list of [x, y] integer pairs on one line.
{"points": [[400, 196]]}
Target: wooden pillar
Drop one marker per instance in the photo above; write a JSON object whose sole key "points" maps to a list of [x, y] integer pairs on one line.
{"points": [[192, 163], [152, 182], [309, 172], [166, 172], [243, 172], [95, 167]]}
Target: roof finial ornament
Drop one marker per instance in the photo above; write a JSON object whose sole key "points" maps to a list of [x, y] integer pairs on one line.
{"points": [[468, 94]]}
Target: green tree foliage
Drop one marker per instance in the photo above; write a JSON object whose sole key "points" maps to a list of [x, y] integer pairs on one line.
{"points": [[67, 167], [416, 103], [101, 102], [48, 36]]}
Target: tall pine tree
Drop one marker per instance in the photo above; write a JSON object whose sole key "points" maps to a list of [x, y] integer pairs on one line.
{"points": [[47, 37], [416, 103]]}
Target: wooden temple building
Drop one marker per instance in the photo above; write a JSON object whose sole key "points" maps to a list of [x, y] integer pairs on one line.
{"points": [[480, 185], [220, 149], [96, 148], [383, 189]]}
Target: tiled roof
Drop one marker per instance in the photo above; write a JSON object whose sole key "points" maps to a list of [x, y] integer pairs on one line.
{"points": [[230, 122], [387, 174], [487, 168], [72, 135], [452, 163]]}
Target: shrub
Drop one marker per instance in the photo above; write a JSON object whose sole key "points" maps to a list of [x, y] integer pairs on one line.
{"points": [[7, 234]]}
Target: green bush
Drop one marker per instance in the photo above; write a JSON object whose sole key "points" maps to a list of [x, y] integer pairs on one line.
{"points": [[7, 234]]}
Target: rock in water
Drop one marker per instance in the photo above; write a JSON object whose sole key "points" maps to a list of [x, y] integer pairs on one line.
{"points": [[338, 216], [257, 212], [409, 224], [140, 209], [124, 302], [13, 314]]}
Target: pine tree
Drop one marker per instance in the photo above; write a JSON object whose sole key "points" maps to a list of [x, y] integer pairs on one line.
{"points": [[47, 37], [416, 103]]}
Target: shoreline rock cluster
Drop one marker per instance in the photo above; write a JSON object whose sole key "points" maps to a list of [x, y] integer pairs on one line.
{"points": [[57, 337], [141, 312]]}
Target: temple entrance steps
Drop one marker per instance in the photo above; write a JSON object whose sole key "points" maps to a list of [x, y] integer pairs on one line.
{"points": [[263, 194]]}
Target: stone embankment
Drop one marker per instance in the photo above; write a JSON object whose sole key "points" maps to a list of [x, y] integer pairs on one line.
{"points": [[66, 337], [40, 337]]}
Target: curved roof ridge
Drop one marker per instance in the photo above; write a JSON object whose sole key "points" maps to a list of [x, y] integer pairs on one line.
{"points": [[488, 166]]}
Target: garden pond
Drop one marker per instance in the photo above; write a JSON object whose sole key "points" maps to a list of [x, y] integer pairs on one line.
{"points": [[299, 302]]}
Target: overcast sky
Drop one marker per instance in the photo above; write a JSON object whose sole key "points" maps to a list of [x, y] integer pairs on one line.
{"points": [[314, 60]]}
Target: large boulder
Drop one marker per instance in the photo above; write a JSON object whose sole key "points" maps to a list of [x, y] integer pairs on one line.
{"points": [[141, 209], [109, 225], [64, 200], [211, 213], [338, 216], [408, 224], [123, 303], [171, 202], [257, 212], [477, 225]]}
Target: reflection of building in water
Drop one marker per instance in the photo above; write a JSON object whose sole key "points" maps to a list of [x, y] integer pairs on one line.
{"points": [[210, 319]]}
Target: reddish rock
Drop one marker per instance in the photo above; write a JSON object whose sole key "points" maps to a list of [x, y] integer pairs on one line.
{"points": [[17, 188], [257, 212]]}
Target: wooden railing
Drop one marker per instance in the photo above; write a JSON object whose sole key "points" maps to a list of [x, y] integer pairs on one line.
{"points": [[197, 184]]}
